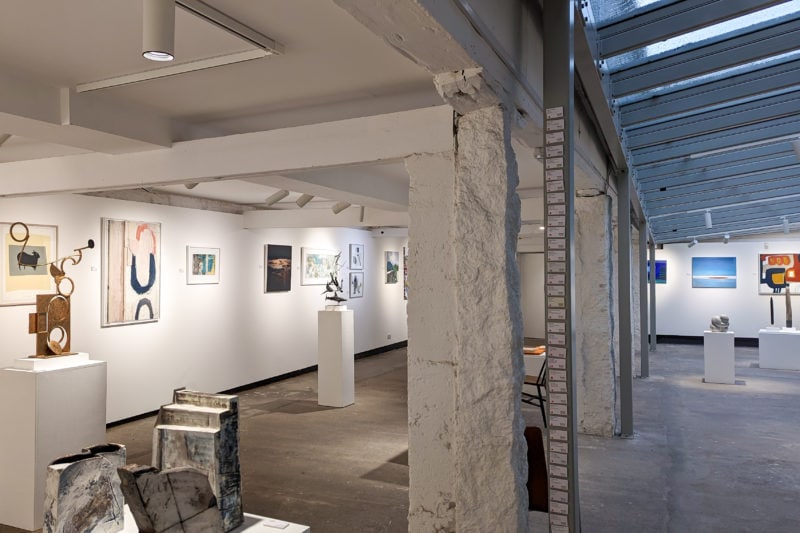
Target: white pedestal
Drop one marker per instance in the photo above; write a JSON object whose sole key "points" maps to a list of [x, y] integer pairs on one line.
{"points": [[48, 408], [336, 375], [718, 357], [779, 349], [252, 523], [533, 364]]}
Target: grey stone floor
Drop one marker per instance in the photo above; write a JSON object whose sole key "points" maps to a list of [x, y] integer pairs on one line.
{"points": [[705, 458]]}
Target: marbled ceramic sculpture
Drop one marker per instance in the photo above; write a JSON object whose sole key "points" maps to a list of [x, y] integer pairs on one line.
{"points": [[720, 323]]}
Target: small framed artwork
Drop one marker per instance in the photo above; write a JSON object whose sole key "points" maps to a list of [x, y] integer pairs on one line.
{"points": [[278, 260], [356, 284], [392, 266], [405, 273], [714, 272], [202, 265], [24, 274], [318, 265], [661, 271], [356, 257]]}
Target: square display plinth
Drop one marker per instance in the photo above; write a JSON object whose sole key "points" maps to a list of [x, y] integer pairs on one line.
{"points": [[336, 365], [56, 407], [718, 358], [779, 349]]}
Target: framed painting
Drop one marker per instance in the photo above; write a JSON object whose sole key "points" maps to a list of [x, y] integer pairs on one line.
{"points": [[661, 271], [392, 266], [23, 273], [278, 261], [318, 265], [777, 271], [131, 254], [714, 272], [356, 256], [202, 265], [405, 273], [356, 285]]}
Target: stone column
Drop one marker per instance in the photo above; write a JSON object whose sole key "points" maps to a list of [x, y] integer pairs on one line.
{"points": [[466, 449], [596, 373]]}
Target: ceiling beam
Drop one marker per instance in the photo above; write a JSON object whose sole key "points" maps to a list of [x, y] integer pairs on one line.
{"points": [[670, 20], [764, 194], [148, 196], [721, 185], [372, 139], [323, 218]]}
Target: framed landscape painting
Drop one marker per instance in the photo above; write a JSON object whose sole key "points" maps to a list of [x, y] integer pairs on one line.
{"points": [[356, 284], [23, 273], [202, 265], [278, 261], [318, 265], [131, 254], [714, 272], [392, 266]]}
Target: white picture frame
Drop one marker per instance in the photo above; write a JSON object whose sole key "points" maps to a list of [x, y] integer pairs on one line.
{"points": [[202, 265]]}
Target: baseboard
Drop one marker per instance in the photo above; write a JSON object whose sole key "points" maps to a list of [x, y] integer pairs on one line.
{"points": [[747, 342]]}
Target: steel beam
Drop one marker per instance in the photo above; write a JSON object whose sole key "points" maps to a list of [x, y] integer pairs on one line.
{"points": [[733, 171], [686, 204], [721, 186], [653, 323], [624, 288], [644, 322]]}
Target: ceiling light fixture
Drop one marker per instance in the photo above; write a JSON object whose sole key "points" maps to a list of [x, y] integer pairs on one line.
{"points": [[277, 197], [693, 243], [304, 199], [339, 207], [191, 186], [708, 218], [158, 30], [785, 225], [726, 238]]}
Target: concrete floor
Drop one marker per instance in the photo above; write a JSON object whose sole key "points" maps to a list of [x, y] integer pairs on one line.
{"points": [[704, 458]]}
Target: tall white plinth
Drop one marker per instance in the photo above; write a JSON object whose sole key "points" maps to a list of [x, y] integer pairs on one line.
{"points": [[48, 408], [336, 371], [779, 348], [718, 357]]}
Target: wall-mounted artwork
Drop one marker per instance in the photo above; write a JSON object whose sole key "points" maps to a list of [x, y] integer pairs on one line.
{"points": [[661, 271], [356, 284], [131, 290], [202, 265], [776, 270], [356, 256], [318, 265], [405, 273], [714, 272], [278, 261], [21, 280], [392, 266]]}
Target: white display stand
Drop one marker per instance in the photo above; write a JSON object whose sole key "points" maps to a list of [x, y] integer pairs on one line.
{"points": [[779, 348], [336, 370], [48, 408], [533, 364], [718, 357], [252, 523]]}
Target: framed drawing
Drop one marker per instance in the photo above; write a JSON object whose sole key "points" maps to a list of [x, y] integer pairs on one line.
{"points": [[131, 256], [661, 271], [392, 266], [778, 270], [278, 261], [356, 285], [19, 284], [318, 265], [714, 272], [202, 265], [356, 256]]}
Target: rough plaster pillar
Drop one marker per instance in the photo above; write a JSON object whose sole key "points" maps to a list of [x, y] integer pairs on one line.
{"points": [[596, 370], [466, 449]]}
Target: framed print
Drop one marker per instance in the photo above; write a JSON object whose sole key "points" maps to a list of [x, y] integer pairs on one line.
{"points": [[24, 275], [318, 265], [131, 254], [714, 272], [392, 266], [661, 271], [776, 271], [405, 273], [278, 262], [356, 256], [202, 265], [356, 285]]}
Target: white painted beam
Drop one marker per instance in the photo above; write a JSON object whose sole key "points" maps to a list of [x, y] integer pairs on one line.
{"points": [[323, 218], [348, 142]]}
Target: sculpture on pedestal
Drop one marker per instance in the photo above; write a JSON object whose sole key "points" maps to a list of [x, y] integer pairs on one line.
{"points": [[333, 288], [788, 307], [51, 321], [720, 323]]}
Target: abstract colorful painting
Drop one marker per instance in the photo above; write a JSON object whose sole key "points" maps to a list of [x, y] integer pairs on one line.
{"points": [[356, 284], [661, 271], [202, 265], [19, 284], [131, 290], [318, 265], [714, 272], [278, 260], [392, 266], [778, 270]]}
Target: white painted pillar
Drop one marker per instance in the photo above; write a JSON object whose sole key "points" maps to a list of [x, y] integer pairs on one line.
{"points": [[466, 448], [636, 316], [596, 373]]}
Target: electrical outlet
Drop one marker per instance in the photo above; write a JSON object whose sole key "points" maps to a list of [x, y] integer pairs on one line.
{"points": [[388, 336]]}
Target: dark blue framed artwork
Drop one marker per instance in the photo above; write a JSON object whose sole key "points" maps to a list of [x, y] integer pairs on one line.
{"points": [[661, 271]]}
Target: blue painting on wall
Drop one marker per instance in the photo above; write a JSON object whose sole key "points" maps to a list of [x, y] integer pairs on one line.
{"points": [[661, 271], [714, 272]]}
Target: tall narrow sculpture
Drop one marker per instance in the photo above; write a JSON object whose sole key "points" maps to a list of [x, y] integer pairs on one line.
{"points": [[788, 307]]}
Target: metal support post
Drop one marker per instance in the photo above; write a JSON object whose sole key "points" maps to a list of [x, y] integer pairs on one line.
{"points": [[625, 327]]}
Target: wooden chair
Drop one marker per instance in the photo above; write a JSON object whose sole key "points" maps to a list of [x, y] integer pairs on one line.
{"points": [[537, 398]]}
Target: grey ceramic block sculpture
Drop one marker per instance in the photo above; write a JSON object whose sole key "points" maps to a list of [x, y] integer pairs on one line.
{"points": [[82, 491], [201, 430], [178, 500], [720, 323]]}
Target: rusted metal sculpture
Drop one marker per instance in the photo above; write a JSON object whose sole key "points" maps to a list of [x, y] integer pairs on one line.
{"points": [[51, 321]]}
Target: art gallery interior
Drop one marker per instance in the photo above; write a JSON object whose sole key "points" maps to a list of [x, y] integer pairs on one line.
{"points": [[488, 176]]}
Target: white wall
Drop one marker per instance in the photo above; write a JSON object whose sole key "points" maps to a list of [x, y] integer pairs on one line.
{"points": [[682, 310], [209, 337], [531, 272]]}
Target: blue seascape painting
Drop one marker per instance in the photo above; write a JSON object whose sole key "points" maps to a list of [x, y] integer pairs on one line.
{"points": [[714, 272]]}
